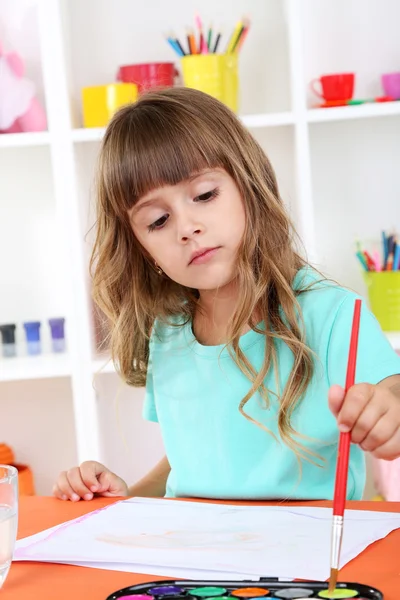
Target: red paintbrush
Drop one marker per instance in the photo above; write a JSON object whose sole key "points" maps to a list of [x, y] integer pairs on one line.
{"points": [[342, 466]]}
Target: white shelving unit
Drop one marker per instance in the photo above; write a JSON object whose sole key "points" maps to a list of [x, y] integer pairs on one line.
{"points": [[308, 146]]}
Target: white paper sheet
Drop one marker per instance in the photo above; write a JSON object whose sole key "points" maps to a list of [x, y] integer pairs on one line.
{"points": [[199, 540]]}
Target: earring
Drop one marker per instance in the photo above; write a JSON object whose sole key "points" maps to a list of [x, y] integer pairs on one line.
{"points": [[158, 268]]}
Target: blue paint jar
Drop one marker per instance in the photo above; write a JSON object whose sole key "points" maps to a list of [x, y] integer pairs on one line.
{"points": [[32, 332]]}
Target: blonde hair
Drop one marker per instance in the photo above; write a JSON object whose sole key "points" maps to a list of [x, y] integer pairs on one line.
{"points": [[163, 139]]}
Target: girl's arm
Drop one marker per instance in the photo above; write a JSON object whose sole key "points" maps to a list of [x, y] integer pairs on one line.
{"points": [[152, 485]]}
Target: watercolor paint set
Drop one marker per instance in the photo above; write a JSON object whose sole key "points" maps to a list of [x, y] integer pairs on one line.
{"points": [[267, 588]]}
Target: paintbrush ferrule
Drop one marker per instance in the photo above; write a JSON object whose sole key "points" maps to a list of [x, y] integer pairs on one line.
{"points": [[336, 544]]}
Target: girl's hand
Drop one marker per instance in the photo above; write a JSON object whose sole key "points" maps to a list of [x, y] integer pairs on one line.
{"points": [[89, 480], [372, 414]]}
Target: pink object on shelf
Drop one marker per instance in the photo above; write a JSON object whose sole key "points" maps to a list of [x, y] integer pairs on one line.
{"points": [[19, 108], [387, 478]]}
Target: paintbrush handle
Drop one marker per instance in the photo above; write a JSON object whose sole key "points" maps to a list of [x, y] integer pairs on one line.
{"points": [[339, 498], [342, 467]]}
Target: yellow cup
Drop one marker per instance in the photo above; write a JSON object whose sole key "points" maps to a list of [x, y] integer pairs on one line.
{"points": [[384, 298], [101, 102], [214, 74]]}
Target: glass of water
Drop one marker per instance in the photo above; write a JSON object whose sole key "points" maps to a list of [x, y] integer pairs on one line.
{"points": [[8, 517]]}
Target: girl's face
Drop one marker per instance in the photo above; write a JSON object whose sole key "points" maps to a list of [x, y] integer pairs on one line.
{"points": [[193, 230]]}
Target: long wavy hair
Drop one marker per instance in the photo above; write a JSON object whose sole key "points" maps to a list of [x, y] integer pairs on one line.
{"points": [[163, 139]]}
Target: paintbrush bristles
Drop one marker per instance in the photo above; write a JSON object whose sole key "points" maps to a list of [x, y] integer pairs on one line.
{"points": [[333, 581]]}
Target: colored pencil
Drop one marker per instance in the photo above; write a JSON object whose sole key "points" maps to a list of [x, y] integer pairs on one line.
{"points": [[377, 260], [385, 249], [361, 258], [339, 499], [203, 48], [370, 262], [209, 36], [244, 35], [175, 45], [179, 45], [234, 37], [191, 42], [217, 40], [396, 260]]}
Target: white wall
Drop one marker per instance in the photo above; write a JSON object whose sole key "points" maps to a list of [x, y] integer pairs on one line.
{"points": [[37, 422]]}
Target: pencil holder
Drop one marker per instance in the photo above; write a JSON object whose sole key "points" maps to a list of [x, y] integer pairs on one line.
{"points": [[384, 298], [214, 74], [102, 101]]}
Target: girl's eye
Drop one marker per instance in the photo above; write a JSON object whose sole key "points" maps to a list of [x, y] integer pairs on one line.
{"points": [[207, 196], [159, 223]]}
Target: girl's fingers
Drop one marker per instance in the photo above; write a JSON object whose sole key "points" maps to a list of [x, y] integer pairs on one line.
{"points": [[382, 432], [335, 398], [372, 415], [354, 404], [390, 449], [77, 484], [58, 493], [91, 472], [65, 488]]}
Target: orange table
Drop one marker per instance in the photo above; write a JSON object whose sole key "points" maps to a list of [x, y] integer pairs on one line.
{"points": [[378, 565]]}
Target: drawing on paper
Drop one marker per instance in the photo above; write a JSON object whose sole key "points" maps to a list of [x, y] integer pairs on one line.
{"points": [[190, 540]]}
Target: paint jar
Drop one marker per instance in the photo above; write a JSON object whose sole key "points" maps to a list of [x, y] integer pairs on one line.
{"points": [[384, 297], [101, 102], [214, 74], [32, 332], [57, 334], [8, 340]]}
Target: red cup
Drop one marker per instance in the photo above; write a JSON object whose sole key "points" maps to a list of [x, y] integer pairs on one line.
{"points": [[148, 75], [334, 87]]}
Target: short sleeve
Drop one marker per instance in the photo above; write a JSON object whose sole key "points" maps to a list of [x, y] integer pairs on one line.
{"points": [[376, 359], [149, 406]]}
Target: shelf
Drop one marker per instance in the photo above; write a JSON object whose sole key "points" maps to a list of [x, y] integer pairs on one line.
{"points": [[88, 134], [268, 120], [18, 140], [362, 111], [314, 115], [95, 134], [45, 366]]}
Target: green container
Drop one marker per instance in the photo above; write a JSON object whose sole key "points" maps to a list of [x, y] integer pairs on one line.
{"points": [[384, 298]]}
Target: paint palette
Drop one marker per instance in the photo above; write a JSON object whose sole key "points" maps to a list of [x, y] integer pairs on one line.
{"points": [[270, 589]]}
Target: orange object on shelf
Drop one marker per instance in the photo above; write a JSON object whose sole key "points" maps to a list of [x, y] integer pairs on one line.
{"points": [[25, 476]]}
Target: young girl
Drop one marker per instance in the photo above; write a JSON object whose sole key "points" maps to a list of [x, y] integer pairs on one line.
{"points": [[242, 346]]}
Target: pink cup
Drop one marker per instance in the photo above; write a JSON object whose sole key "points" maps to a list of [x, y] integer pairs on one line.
{"points": [[391, 85]]}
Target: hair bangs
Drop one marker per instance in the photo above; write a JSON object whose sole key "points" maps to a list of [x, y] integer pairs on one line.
{"points": [[154, 151]]}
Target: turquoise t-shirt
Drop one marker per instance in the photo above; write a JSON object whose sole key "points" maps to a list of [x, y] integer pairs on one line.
{"points": [[194, 392]]}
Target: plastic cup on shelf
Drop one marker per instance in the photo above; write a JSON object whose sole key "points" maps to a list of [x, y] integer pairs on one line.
{"points": [[8, 340], [32, 331], [57, 334]]}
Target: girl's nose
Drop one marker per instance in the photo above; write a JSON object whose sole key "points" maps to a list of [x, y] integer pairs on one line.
{"points": [[188, 228]]}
